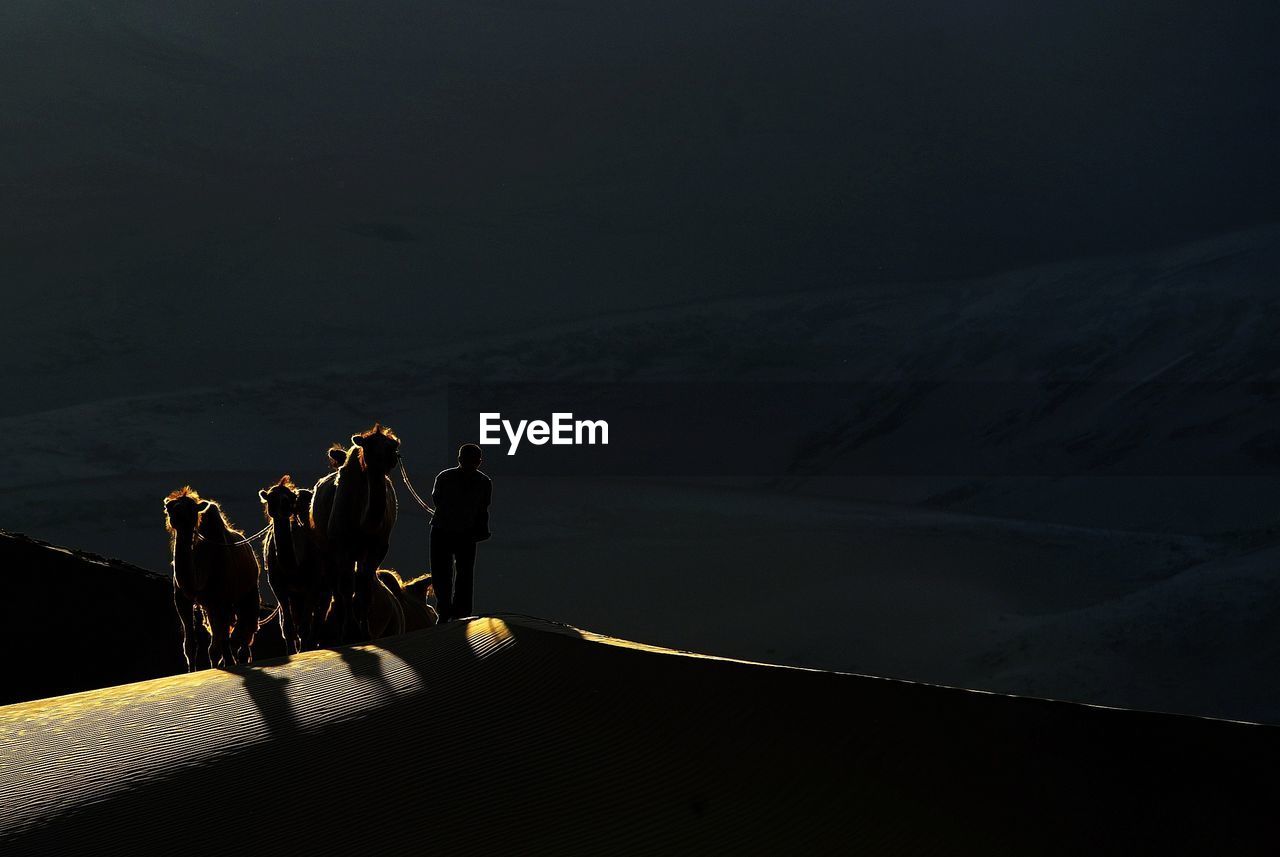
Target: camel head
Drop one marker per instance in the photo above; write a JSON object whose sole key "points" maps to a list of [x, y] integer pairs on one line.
{"points": [[379, 448], [279, 501], [337, 456], [420, 587], [303, 507], [182, 510]]}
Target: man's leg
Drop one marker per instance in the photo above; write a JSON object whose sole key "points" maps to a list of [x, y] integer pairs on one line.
{"points": [[465, 551], [442, 573]]}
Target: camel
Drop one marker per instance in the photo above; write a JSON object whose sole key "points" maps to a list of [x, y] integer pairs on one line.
{"points": [[418, 614], [315, 553], [352, 514], [320, 548], [386, 616], [213, 574], [294, 567], [386, 613], [305, 496]]}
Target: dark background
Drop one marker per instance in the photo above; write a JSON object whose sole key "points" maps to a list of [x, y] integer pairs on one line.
{"points": [[392, 178]]}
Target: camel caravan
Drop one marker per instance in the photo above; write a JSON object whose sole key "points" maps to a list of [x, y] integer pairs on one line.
{"points": [[322, 547]]}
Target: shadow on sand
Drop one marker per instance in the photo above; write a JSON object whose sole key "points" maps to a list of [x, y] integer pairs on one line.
{"points": [[366, 665], [271, 699]]}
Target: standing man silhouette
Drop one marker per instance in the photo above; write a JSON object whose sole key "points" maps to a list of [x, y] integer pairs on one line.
{"points": [[461, 498]]}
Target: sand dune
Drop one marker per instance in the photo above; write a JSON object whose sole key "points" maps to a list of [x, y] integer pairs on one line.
{"points": [[521, 735]]}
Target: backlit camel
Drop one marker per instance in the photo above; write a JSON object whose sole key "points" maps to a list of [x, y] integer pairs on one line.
{"points": [[418, 614], [294, 569], [210, 572], [353, 513]]}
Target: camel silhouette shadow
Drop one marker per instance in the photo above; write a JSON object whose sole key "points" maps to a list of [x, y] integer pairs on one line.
{"points": [[491, 635], [270, 698], [366, 665]]}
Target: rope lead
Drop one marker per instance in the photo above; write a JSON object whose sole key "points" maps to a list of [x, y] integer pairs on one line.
{"points": [[404, 476], [259, 534]]}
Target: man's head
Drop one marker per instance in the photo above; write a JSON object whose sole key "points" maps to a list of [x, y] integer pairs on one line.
{"points": [[470, 456]]}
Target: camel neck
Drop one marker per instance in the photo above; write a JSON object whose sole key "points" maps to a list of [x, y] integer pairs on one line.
{"points": [[183, 565], [377, 508], [282, 537]]}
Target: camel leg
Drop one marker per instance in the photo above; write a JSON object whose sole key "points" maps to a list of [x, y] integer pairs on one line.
{"points": [[203, 640], [314, 601], [330, 624], [220, 654], [307, 629], [246, 612], [282, 598], [190, 622], [316, 630], [321, 589], [284, 620], [366, 578], [288, 622], [342, 595], [361, 597], [299, 609]]}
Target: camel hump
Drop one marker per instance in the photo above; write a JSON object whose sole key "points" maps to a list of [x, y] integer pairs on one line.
{"points": [[214, 525], [322, 496], [386, 616]]}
